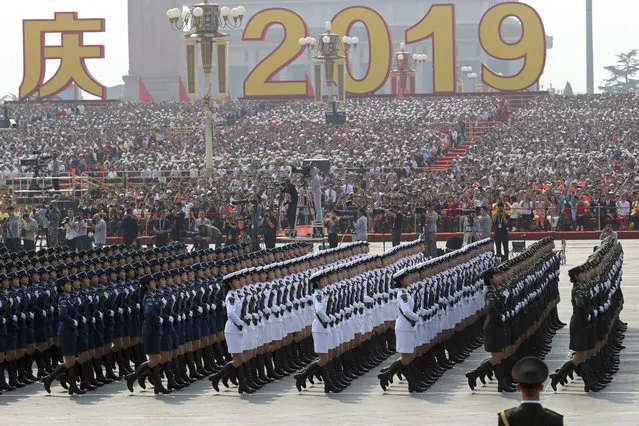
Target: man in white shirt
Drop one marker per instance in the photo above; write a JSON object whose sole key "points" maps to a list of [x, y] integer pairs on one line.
{"points": [[99, 231], [623, 210], [361, 226]]}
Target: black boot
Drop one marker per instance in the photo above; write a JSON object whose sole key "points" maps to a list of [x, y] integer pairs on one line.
{"points": [[85, 382], [155, 377], [241, 378], [411, 378], [142, 370], [170, 377], [504, 384], [387, 375], [3, 383], [300, 378], [478, 373], [270, 370], [190, 361], [24, 370], [57, 372], [215, 378], [72, 378], [177, 375], [38, 357], [183, 369], [261, 367], [13, 375], [561, 375], [107, 361], [99, 374]]}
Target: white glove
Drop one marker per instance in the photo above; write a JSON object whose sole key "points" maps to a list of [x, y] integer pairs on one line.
{"points": [[213, 307], [128, 309], [179, 318], [190, 314], [31, 315], [4, 321], [137, 306], [75, 323], [51, 309], [112, 313], [171, 320], [199, 309], [84, 320], [161, 321], [184, 317], [100, 315], [120, 311], [23, 316], [92, 320]]}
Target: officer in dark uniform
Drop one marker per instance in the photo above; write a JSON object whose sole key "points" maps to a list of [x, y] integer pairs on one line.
{"points": [[500, 225], [530, 373]]}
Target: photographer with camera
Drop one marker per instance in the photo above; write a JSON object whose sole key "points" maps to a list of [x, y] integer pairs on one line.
{"points": [[269, 227], [162, 228], [331, 223], [397, 218]]}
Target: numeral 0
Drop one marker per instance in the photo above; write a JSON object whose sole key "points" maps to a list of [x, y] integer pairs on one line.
{"points": [[438, 24]]}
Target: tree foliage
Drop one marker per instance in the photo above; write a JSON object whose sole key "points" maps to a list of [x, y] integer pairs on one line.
{"points": [[568, 89], [622, 74]]}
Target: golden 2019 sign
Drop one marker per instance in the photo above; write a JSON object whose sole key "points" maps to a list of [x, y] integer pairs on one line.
{"points": [[438, 24]]}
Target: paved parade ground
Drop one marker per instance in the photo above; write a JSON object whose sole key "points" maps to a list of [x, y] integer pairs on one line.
{"points": [[449, 401]]}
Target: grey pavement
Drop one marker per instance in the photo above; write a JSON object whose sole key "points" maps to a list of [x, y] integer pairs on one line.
{"points": [[449, 401]]}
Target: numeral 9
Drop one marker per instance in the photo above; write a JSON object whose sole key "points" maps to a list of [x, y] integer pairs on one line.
{"points": [[531, 47]]}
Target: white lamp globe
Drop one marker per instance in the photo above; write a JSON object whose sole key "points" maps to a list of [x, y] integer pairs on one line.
{"points": [[302, 41], [326, 39], [198, 12], [400, 57], [225, 11], [241, 10], [355, 40]]}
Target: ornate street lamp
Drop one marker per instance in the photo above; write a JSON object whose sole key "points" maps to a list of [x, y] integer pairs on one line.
{"points": [[403, 73], [202, 24], [329, 50]]}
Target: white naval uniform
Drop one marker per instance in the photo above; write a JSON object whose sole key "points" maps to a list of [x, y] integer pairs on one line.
{"points": [[232, 332], [320, 332], [404, 330]]}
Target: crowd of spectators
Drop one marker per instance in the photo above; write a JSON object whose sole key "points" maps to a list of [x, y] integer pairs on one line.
{"points": [[560, 163]]}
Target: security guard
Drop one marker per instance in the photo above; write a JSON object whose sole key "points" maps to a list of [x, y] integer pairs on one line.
{"points": [[530, 373]]}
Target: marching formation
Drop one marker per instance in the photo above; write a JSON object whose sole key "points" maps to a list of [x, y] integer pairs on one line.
{"points": [[354, 311], [81, 315], [521, 312], [93, 317], [270, 312], [439, 307], [596, 331]]}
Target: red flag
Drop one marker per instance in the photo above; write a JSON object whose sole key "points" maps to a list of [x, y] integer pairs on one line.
{"points": [[228, 96], [184, 95], [143, 93], [310, 91]]}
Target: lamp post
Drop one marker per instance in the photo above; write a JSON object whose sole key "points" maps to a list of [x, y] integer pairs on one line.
{"points": [[202, 22], [468, 70], [329, 51], [403, 73]]}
